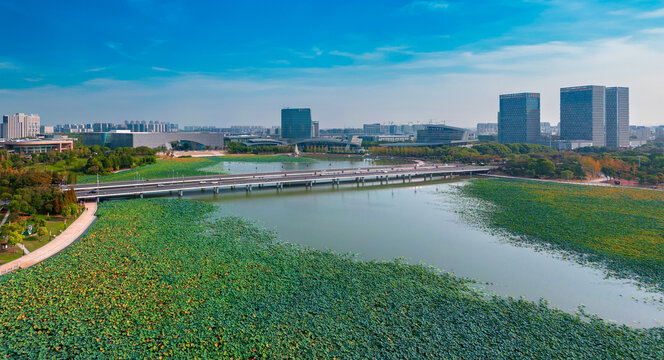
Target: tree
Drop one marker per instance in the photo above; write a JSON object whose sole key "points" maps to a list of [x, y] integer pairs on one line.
{"points": [[14, 238], [57, 207], [42, 231], [566, 174], [66, 211]]}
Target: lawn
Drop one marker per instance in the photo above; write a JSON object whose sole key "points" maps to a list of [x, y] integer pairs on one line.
{"points": [[55, 227], [12, 253], [152, 279], [620, 229], [70, 165], [189, 166]]}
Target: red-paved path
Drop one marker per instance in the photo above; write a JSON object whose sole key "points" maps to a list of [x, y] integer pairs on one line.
{"points": [[76, 229]]}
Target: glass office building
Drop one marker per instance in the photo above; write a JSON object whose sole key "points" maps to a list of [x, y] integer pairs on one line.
{"points": [[296, 123], [519, 118], [582, 114], [617, 116]]}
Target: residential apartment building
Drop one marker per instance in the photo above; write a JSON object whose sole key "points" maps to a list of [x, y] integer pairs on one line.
{"points": [[19, 126]]}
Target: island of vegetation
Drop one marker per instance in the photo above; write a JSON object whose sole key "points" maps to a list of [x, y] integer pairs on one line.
{"points": [[171, 284], [619, 228]]}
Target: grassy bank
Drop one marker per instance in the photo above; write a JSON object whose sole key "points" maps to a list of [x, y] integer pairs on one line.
{"points": [[165, 168], [618, 228], [150, 279]]}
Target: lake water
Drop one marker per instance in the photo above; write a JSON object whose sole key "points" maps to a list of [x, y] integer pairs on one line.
{"points": [[419, 222]]}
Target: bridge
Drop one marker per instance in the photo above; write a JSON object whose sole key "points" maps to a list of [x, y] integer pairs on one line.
{"points": [[306, 178]]}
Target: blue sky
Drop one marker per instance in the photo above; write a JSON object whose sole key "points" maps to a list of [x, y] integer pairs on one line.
{"points": [[221, 62]]}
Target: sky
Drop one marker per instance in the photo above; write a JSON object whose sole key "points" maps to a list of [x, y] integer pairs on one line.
{"points": [[224, 63]]}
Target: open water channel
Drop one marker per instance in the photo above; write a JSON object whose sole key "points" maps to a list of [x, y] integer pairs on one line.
{"points": [[420, 223]]}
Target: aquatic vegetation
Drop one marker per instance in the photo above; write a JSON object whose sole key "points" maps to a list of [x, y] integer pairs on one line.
{"points": [[619, 228], [152, 279], [189, 166]]}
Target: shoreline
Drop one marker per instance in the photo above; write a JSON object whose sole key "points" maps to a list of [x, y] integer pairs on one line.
{"points": [[570, 182]]}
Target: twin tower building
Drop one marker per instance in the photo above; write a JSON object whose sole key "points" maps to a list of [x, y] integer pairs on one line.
{"points": [[596, 114]]}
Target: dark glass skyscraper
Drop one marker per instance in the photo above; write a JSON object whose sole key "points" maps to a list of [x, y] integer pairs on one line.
{"points": [[296, 123], [582, 114], [519, 118], [617, 116]]}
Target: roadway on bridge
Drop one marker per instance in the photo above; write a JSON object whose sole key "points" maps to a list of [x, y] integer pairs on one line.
{"points": [[300, 177]]}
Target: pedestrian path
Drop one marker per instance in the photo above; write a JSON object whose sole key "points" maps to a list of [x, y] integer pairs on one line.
{"points": [[4, 219], [22, 247]]}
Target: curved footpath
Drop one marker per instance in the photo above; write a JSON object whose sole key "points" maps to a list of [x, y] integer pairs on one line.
{"points": [[73, 232], [594, 182]]}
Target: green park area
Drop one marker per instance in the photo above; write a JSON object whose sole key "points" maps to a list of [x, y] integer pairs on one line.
{"points": [[185, 166], [52, 226], [618, 228], [173, 283]]}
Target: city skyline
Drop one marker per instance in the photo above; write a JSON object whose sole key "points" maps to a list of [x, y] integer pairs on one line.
{"points": [[393, 61]]}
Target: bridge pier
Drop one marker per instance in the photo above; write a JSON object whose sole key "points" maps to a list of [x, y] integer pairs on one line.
{"points": [[141, 195], [249, 187], [216, 190], [180, 193]]}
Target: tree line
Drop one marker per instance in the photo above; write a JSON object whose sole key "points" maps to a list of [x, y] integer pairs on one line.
{"points": [[644, 164]]}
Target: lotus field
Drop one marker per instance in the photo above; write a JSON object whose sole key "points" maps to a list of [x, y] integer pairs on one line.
{"points": [[153, 278], [617, 228]]}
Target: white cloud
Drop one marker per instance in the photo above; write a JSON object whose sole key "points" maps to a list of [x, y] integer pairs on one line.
{"points": [[368, 56], [97, 69], [659, 13], [653, 31], [459, 87], [423, 6], [6, 65], [156, 68], [117, 47], [33, 79]]}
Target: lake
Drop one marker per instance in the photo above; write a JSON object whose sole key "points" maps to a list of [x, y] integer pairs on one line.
{"points": [[420, 223]]}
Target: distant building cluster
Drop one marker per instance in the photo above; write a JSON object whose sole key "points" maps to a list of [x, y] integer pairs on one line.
{"points": [[133, 126], [391, 129], [487, 129], [19, 126], [589, 116]]}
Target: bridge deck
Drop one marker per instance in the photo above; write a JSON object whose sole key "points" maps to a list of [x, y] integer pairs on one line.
{"points": [[276, 179]]}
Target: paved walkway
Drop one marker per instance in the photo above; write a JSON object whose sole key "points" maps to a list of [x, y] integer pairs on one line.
{"points": [[4, 219], [56, 245], [22, 247]]}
